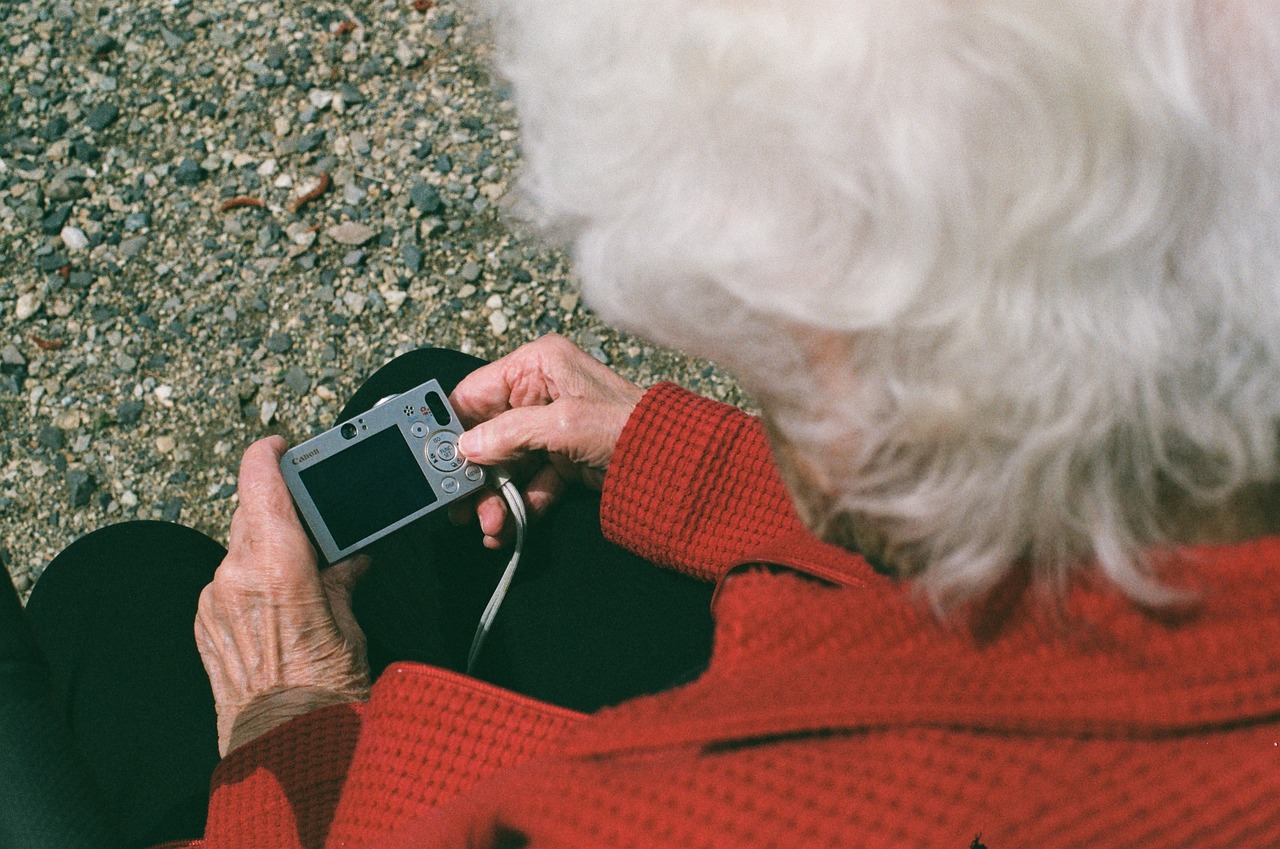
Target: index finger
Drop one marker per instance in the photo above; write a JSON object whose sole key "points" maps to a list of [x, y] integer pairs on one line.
{"points": [[523, 378], [483, 394]]}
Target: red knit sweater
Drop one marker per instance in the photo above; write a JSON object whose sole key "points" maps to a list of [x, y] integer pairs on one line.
{"points": [[835, 712]]}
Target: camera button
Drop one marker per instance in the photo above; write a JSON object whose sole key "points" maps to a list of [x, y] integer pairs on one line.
{"points": [[473, 473], [442, 452], [449, 485], [418, 429]]}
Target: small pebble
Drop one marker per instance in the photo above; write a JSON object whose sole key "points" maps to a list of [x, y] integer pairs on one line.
{"points": [[27, 306], [102, 116], [74, 238], [351, 233], [279, 343]]}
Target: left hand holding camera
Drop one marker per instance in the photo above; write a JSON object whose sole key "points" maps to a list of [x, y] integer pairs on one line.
{"points": [[277, 637]]}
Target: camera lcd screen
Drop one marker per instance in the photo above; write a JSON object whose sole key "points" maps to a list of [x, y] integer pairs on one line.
{"points": [[367, 487]]}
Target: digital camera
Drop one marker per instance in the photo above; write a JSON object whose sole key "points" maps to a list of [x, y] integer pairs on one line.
{"points": [[380, 471]]}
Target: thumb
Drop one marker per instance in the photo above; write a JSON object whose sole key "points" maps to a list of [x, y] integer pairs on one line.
{"points": [[339, 583], [514, 433]]}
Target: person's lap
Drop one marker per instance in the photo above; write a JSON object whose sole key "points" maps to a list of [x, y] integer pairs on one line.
{"points": [[585, 624]]}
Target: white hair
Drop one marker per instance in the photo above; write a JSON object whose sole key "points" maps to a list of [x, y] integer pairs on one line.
{"points": [[1002, 273]]}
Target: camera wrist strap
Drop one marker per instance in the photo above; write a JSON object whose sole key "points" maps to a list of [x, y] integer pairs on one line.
{"points": [[515, 504]]}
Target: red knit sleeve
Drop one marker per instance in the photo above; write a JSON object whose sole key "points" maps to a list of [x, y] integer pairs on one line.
{"points": [[693, 484], [283, 787]]}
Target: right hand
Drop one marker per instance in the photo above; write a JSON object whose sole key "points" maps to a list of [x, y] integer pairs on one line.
{"points": [[549, 409]]}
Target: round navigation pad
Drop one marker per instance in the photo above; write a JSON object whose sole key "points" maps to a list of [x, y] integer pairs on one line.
{"points": [[442, 452]]}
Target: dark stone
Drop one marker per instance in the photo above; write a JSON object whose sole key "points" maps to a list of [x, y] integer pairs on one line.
{"points": [[84, 151], [444, 163], [308, 142], [51, 262], [412, 257], [171, 509], [521, 276], [80, 487], [279, 343], [80, 279], [188, 173], [102, 116], [54, 222], [128, 412], [276, 55], [350, 94], [101, 44], [179, 477], [55, 129], [548, 323], [135, 221], [426, 199], [298, 380], [226, 490], [51, 437], [424, 150]]}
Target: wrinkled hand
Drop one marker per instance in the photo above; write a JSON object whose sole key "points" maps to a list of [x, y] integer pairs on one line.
{"points": [[549, 412], [277, 638]]}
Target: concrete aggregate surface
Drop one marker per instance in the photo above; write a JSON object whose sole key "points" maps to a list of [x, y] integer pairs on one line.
{"points": [[216, 218]]}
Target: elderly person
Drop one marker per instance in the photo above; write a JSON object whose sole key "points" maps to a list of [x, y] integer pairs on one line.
{"points": [[1002, 278]]}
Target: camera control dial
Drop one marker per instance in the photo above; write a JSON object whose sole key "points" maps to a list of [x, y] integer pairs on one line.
{"points": [[442, 452]]}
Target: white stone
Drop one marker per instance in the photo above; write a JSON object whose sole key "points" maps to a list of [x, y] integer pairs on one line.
{"points": [[268, 412], [284, 181], [494, 302], [355, 302], [320, 98], [241, 159], [301, 234], [498, 322], [26, 306], [351, 233], [74, 238], [267, 168], [395, 298], [165, 444]]}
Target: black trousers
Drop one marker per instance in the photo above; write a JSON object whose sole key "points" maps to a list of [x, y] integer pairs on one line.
{"points": [[585, 624]]}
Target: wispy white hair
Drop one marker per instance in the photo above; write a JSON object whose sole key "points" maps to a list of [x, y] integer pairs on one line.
{"points": [[1002, 273]]}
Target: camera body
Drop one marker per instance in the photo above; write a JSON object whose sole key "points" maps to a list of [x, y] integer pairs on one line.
{"points": [[380, 471]]}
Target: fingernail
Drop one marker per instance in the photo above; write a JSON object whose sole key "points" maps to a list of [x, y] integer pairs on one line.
{"points": [[469, 442]]}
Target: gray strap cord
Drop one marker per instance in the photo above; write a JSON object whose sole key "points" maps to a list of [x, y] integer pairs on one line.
{"points": [[515, 503]]}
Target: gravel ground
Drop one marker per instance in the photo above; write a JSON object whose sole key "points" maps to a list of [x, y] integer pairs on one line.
{"points": [[164, 298]]}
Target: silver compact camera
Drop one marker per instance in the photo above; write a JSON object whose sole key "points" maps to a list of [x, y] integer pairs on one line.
{"points": [[380, 471]]}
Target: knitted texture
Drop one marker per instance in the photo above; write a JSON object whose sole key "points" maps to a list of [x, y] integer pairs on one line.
{"points": [[405, 766], [692, 485], [835, 712]]}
